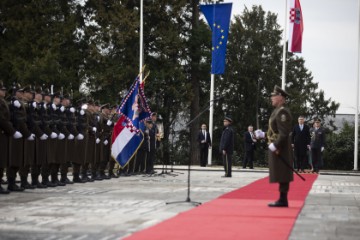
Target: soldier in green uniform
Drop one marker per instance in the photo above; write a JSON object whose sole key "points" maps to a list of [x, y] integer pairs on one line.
{"points": [[280, 150], [6, 132], [97, 155]]}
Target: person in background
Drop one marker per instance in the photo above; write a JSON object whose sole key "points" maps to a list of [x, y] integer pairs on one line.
{"points": [[204, 140], [300, 142], [250, 146]]}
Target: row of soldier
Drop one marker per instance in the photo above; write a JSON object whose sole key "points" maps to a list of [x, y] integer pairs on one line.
{"points": [[42, 133]]}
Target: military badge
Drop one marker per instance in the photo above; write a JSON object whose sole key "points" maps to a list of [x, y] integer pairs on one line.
{"points": [[283, 117]]}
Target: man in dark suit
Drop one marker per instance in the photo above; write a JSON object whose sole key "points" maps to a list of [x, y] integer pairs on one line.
{"points": [[227, 145], [250, 146], [204, 144], [317, 145], [300, 143]]}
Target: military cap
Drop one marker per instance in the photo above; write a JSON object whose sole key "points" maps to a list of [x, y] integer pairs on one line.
{"points": [[39, 90], [318, 120], [149, 120], [153, 114], [91, 101], [28, 88], [57, 95], [17, 87], [106, 106], [80, 101], [228, 118], [279, 92], [114, 106], [46, 92], [66, 95], [2, 87]]}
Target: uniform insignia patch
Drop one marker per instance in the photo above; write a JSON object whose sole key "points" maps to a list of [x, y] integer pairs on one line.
{"points": [[283, 117]]}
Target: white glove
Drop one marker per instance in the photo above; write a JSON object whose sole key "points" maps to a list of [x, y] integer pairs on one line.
{"points": [[322, 149], [31, 137], [34, 105], [97, 140], [17, 135], [106, 142], [45, 107], [43, 137], [72, 109], [84, 107], [53, 106], [82, 112], [70, 137], [94, 129], [98, 118], [80, 136], [62, 109], [17, 104], [53, 135], [61, 136], [109, 123], [259, 134], [272, 147]]}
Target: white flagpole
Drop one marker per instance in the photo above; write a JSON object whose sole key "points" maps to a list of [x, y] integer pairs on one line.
{"points": [[141, 38], [357, 101], [284, 48], [211, 123]]}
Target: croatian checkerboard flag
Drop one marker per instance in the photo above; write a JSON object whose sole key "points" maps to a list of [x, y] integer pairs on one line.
{"points": [[296, 27], [127, 137]]}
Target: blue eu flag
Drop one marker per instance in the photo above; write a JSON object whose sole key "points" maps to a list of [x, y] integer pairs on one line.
{"points": [[218, 17]]}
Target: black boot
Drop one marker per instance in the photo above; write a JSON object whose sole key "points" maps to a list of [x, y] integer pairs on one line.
{"points": [[25, 184], [282, 202], [13, 187], [96, 177], [4, 191], [47, 183], [77, 179], [65, 180], [35, 182], [55, 180], [86, 178]]}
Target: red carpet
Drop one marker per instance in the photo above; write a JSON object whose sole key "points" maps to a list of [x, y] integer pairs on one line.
{"points": [[240, 214]]}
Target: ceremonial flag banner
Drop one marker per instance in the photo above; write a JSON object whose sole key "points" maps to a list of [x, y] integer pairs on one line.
{"points": [[296, 27], [127, 137], [218, 17]]}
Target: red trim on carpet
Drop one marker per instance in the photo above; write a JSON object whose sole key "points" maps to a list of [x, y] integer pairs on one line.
{"points": [[240, 214]]}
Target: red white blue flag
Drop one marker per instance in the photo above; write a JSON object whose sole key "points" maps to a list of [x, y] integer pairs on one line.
{"points": [[296, 27], [127, 137]]}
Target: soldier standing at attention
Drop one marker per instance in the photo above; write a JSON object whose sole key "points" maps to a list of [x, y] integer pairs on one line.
{"points": [[6, 132], [280, 146], [227, 145]]}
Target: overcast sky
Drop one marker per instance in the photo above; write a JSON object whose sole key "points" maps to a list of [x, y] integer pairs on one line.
{"points": [[330, 43]]}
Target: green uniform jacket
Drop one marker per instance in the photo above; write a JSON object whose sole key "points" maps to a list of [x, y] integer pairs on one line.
{"points": [[6, 131], [279, 134]]}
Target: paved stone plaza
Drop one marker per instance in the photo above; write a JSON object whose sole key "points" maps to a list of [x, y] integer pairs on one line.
{"points": [[113, 209]]}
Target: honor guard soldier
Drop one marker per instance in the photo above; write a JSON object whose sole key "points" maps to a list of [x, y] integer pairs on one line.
{"points": [[227, 146], [29, 143], [114, 118], [7, 131], [58, 143], [97, 156], [16, 153], [280, 150], [49, 127], [106, 126], [90, 148], [35, 126], [82, 125], [69, 120]]}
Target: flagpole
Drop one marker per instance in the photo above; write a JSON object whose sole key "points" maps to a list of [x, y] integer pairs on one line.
{"points": [[284, 48], [357, 100], [141, 39], [211, 121]]}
